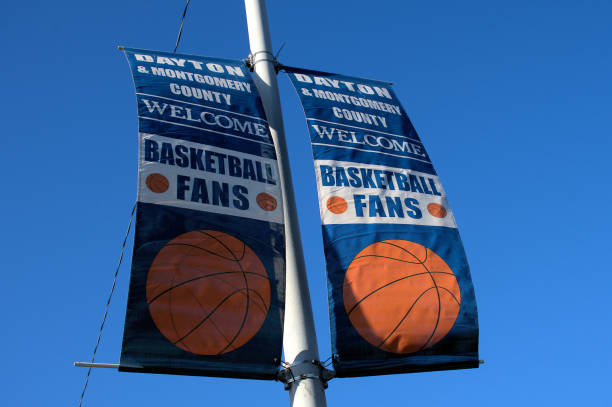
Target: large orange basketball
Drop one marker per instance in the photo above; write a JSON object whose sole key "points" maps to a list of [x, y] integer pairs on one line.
{"points": [[401, 296], [208, 292]]}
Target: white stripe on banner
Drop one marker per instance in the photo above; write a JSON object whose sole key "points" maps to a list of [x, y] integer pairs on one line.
{"points": [[205, 106], [194, 176], [369, 151], [355, 193], [202, 129], [363, 128]]}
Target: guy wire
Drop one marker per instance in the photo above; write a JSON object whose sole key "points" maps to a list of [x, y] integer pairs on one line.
{"points": [[93, 357]]}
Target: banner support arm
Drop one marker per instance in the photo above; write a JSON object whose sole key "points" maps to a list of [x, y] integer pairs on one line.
{"points": [[299, 341], [103, 365]]}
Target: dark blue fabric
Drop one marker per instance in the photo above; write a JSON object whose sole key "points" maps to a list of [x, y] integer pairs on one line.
{"points": [[323, 104], [145, 349]]}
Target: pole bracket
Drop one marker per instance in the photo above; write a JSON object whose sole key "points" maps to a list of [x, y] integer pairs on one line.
{"points": [[261, 56], [92, 364], [303, 370]]}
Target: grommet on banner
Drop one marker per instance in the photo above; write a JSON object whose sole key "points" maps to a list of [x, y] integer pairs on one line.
{"points": [[293, 373]]}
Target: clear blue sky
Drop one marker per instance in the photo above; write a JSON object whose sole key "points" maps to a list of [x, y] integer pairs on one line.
{"points": [[513, 101]]}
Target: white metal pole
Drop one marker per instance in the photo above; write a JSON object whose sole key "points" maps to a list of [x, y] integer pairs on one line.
{"points": [[300, 341]]}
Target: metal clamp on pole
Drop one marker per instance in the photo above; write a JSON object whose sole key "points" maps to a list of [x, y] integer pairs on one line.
{"points": [[253, 60], [299, 339], [301, 371]]}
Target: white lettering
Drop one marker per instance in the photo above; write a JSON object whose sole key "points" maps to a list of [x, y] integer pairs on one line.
{"points": [[302, 78], [143, 58]]}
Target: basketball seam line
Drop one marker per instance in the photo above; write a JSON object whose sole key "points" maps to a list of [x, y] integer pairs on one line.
{"points": [[265, 308], [453, 295], [228, 249], [408, 251], [206, 317], [385, 257], [199, 278], [435, 284], [207, 234], [204, 250], [246, 283], [412, 306], [195, 297], [246, 290], [392, 282], [215, 325], [404, 317], [439, 304], [172, 316]]}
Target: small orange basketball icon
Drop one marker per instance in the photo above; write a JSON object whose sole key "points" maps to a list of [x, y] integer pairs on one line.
{"points": [[336, 205], [157, 183], [401, 296], [266, 201], [436, 210]]}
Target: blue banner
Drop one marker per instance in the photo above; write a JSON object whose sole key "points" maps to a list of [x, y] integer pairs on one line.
{"points": [[400, 293], [207, 283]]}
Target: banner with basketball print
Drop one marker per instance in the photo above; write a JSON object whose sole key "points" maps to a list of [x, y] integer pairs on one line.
{"points": [[206, 291], [400, 292]]}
